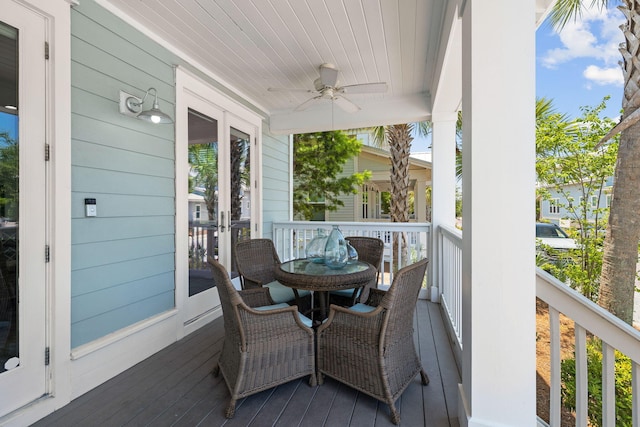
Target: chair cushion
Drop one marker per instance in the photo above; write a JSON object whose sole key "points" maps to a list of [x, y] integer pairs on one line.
{"points": [[304, 319], [272, 307], [281, 293], [347, 293], [362, 308]]}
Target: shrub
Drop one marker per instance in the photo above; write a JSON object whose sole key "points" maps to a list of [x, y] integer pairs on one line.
{"points": [[623, 393]]}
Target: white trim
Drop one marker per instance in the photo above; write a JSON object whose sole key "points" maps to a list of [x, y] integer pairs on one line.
{"points": [[121, 334], [58, 112], [98, 366]]}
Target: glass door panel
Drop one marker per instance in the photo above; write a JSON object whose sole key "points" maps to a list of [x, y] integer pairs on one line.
{"points": [[203, 199], [9, 199], [240, 190]]}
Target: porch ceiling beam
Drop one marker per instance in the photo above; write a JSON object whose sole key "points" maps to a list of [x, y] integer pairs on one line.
{"points": [[320, 118]]}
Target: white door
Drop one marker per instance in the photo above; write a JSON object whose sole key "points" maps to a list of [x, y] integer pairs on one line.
{"points": [[204, 224], [23, 98], [214, 154]]}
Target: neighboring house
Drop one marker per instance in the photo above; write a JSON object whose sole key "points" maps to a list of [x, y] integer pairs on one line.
{"points": [[198, 207], [369, 203], [104, 206], [558, 208]]}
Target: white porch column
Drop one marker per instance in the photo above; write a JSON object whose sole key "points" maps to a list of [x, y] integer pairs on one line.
{"points": [[443, 184], [498, 363]]}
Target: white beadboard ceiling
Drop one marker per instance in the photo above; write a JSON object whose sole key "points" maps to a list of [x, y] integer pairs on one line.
{"points": [[253, 45]]}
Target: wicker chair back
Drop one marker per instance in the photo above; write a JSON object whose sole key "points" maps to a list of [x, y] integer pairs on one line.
{"points": [[256, 260]]}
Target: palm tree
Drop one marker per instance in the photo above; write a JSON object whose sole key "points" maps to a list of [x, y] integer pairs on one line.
{"points": [[617, 280], [399, 138]]}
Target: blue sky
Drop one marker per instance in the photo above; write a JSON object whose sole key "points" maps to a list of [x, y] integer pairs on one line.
{"points": [[579, 66]]}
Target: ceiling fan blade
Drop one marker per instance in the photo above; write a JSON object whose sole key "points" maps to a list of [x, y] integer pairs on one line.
{"points": [[284, 89], [378, 87], [328, 75], [306, 104], [345, 104]]}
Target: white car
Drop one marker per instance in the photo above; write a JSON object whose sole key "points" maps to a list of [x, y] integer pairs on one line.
{"points": [[553, 236]]}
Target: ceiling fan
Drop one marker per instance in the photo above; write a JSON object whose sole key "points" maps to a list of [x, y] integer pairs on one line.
{"points": [[326, 87]]}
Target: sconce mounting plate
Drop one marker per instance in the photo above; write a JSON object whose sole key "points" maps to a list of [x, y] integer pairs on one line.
{"points": [[123, 104]]}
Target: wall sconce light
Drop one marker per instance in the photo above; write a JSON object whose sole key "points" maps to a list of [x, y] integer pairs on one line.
{"points": [[132, 106]]}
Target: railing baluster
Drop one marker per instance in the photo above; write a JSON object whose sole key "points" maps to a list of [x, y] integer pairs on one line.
{"points": [[554, 381], [608, 386], [635, 390], [582, 390]]}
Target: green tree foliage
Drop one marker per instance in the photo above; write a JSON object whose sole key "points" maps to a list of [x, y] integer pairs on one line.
{"points": [[318, 159], [566, 156], [203, 161], [8, 176]]}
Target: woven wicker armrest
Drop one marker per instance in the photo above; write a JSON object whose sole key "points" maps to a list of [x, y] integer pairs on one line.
{"points": [[350, 324], [251, 283], [276, 324], [256, 297], [375, 296]]}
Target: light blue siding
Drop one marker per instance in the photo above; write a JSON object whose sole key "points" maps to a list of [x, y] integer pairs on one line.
{"points": [[120, 269], [275, 186], [123, 259], [574, 192]]}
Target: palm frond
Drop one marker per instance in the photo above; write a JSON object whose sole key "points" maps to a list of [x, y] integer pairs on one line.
{"points": [[565, 10]]}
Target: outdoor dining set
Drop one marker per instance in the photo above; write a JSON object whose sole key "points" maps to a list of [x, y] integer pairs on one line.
{"points": [[278, 327]]}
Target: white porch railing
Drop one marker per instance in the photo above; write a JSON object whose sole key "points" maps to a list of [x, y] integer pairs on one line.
{"points": [[291, 239], [593, 319], [589, 318], [450, 278]]}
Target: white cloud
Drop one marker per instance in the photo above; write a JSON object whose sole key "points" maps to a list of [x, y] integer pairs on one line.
{"points": [[580, 41], [604, 76]]}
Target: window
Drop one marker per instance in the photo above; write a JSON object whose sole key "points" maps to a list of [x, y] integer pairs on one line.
{"points": [[594, 202], [197, 214], [554, 206], [365, 202], [608, 200]]}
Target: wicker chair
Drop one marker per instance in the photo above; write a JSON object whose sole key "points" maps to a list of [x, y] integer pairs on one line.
{"points": [[370, 346], [371, 250], [263, 347], [256, 260]]}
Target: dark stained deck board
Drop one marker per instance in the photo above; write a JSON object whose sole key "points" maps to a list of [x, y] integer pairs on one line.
{"points": [[447, 367], [174, 387]]}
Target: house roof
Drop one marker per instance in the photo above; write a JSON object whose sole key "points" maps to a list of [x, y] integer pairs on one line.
{"points": [[251, 46], [413, 159]]}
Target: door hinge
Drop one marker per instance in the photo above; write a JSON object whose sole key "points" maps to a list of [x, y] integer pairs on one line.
{"points": [[47, 152], [47, 356], [46, 50], [47, 256]]}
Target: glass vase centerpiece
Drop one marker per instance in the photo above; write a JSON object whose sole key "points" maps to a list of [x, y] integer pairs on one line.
{"points": [[315, 248], [335, 250]]}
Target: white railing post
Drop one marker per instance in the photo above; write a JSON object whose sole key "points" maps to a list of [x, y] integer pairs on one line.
{"points": [[608, 386], [582, 391], [635, 388], [555, 409]]}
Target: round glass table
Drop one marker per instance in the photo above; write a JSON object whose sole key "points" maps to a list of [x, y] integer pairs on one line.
{"points": [[318, 278]]}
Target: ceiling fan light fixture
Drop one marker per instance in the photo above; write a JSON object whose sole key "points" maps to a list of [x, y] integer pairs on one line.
{"points": [[326, 87]]}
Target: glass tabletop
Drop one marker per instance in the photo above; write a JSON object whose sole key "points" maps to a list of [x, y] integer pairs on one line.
{"points": [[305, 266]]}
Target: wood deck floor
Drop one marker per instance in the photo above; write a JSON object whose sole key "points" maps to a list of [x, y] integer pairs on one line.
{"points": [[175, 388]]}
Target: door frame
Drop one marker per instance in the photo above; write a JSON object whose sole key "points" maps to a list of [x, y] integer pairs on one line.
{"points": [[58, 222], [189, 88]]}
